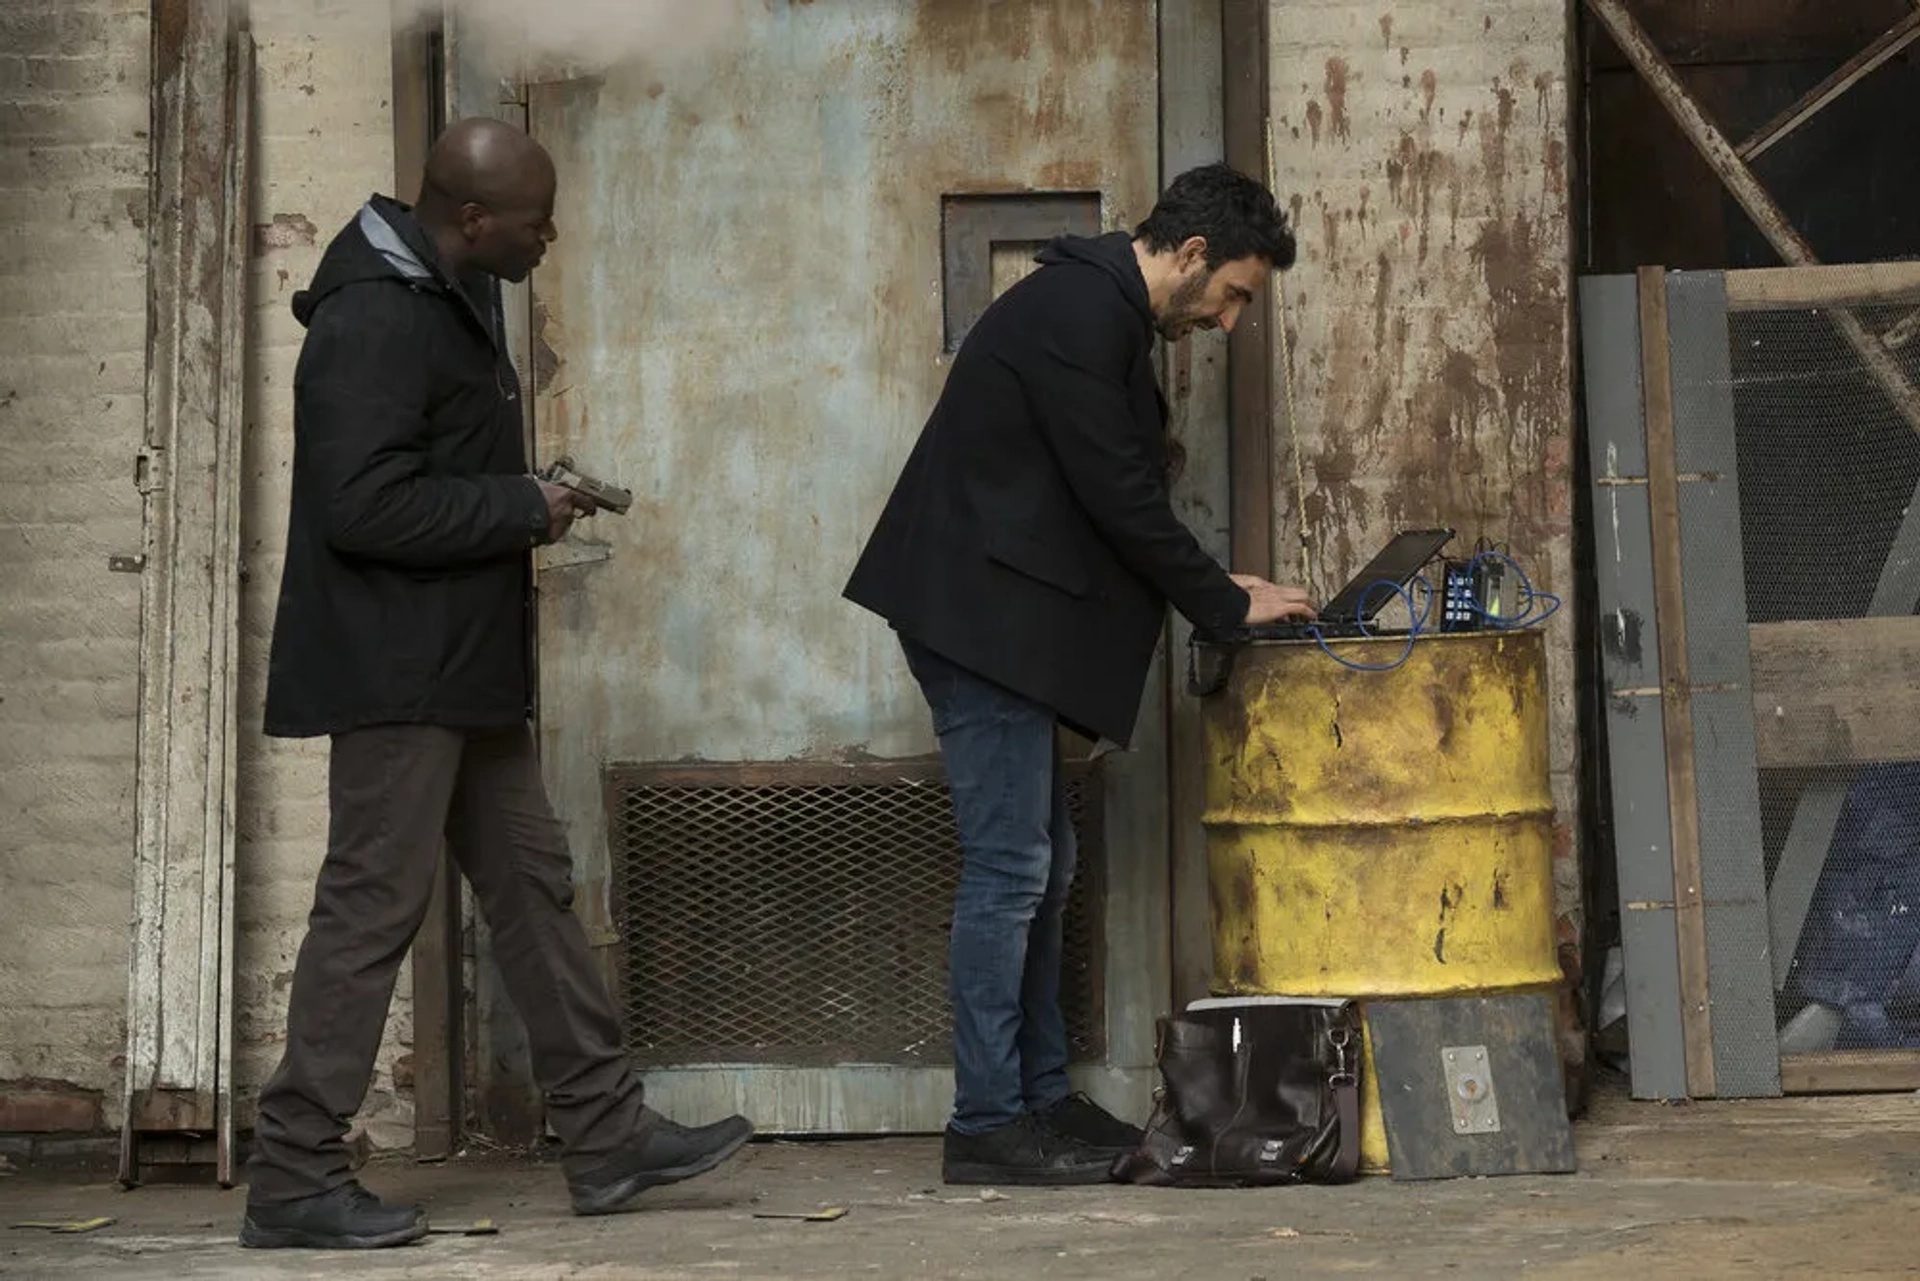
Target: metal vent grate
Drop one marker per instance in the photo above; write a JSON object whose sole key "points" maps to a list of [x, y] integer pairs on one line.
{"points": [[799, 913]]}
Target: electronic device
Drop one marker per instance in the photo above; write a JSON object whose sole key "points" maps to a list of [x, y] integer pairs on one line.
{"points": [[1351, 612]]}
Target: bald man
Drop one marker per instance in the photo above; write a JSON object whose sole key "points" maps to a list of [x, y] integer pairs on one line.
{"points": [[403, 635]]}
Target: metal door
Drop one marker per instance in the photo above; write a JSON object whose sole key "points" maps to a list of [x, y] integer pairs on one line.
{"points": [[744, 321]]}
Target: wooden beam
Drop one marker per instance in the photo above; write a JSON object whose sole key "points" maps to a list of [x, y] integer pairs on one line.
{"points": [[179, 988], [1856, 69], [223, 740], [439, 1031], [479, 77], [1250, 345], [1192, 132], [1845, 691], [1851, 1072], [419, 96], [1796, 288], [1676, 702], [1752, 197]]}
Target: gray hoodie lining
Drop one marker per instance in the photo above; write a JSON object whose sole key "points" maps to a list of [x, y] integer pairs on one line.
{"points": [[386, 241]]}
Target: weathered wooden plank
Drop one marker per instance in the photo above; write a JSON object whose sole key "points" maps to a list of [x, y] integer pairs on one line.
{"points": [[1702, 36], [181, 948], [1851, 1072], [1192, 132], [1843, 691], [479, 78], [1663, 496], [419, 114], [439, 1036], [1852, 285], [1751, 196], [227, 556], [169, 1109], [1810, 833], [1851, 73], [1250, 345]]}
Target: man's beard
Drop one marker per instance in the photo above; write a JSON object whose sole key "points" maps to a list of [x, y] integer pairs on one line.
{"points": [[1181, 313]]}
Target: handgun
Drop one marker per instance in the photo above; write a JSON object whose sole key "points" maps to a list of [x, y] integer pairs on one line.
{"points": [[604, 496]]}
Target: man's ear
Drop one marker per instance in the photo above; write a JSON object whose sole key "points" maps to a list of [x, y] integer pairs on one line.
{"points": [[472, 216], [1192, 253]]}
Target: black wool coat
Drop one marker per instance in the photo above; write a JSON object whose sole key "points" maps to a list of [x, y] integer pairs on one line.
{"points": [[1031, 537]]}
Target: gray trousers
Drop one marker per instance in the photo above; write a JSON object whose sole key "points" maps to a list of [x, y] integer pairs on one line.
{"points": [[394, 792]]}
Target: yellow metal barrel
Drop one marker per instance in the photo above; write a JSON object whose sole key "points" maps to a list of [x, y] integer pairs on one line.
{"points": [[1374, 835]]}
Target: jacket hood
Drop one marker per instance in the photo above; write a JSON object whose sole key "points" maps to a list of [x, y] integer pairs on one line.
{"points": [[1111, 253], [382, 242]]}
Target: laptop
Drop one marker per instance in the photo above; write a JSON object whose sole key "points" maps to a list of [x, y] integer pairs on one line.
{"points": [[1352, 611]]}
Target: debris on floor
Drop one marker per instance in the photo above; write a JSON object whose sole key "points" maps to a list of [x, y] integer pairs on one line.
{"points": [[63, 1226], [827, 1215]]}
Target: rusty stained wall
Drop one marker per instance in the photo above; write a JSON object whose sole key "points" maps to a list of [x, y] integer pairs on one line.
{"points": [[742, 321], [73, 253], [323, 141], [1423, 148]]}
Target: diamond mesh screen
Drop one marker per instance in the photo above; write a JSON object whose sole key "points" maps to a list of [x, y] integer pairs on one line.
{"points": [[1831, 530], [797, 914]]}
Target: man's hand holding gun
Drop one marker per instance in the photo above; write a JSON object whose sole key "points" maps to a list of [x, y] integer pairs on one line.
{"points": [[571, 494]]}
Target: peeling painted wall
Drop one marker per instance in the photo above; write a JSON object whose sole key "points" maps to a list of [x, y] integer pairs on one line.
{"points": [[742, 320], [323, 142], [1422, 147], [73, 253]]}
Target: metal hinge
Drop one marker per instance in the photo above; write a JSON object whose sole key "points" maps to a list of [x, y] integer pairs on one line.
{"points": [[150, 469]]}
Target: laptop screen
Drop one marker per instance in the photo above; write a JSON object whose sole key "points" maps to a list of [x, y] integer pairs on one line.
{"points": [[1397, 563]]}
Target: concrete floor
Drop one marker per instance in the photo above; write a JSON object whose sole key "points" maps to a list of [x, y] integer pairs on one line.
{"points": [[1804, 1187]]}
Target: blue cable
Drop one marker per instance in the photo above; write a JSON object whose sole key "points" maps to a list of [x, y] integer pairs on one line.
{"points": [[1418, 617]]}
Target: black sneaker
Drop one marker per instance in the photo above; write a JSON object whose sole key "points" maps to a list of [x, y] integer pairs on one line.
{"points": [[347, 1218], [1080, 1118], [662, 1152], [1022, 1153]]}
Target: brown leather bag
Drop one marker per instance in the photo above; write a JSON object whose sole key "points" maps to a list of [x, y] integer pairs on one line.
{"points": [[1254, 1091]]}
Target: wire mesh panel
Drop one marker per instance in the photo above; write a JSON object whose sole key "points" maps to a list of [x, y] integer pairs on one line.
{"points": [[799, 914], [1830, 528]]}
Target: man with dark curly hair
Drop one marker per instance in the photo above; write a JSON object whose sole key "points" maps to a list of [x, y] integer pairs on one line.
{"points": [[1026, 560]]}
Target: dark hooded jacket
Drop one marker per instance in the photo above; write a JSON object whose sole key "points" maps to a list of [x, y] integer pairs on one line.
{"points": [[1031, 538], [405, 594]]}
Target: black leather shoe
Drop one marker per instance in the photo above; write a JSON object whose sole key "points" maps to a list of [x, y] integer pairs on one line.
{"points": [[347, 1218], [1025, 1153], [662, 1152], [1079, 1117]]}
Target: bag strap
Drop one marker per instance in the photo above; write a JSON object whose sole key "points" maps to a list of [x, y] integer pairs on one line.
{"points": [[1346, 1099], [1153, 1162]]}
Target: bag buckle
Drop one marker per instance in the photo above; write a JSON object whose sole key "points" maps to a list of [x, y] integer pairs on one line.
{"points": [[1342, 1038]]}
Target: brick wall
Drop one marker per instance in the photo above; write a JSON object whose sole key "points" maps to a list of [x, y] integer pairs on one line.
{"points": [[324, 141], [73, 196], [73, 190]]}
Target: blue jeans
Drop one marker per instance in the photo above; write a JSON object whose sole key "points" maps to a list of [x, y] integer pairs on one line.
{"points": [[1016, 836]]}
